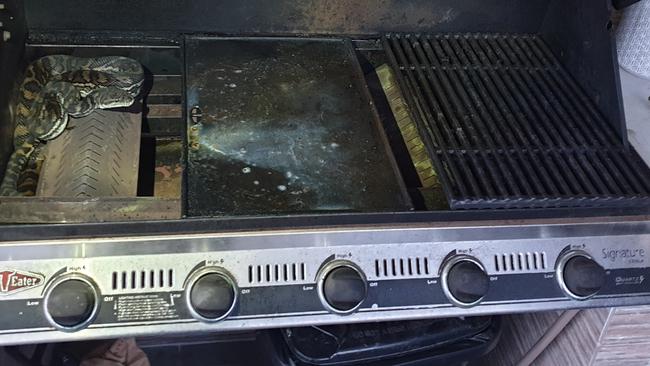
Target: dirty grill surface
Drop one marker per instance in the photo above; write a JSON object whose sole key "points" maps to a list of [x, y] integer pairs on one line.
{"points": [[282, 126], [507, 127]]}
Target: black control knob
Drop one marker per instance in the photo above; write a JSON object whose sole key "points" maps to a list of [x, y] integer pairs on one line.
{"points": [[71, 303], [343, 288], [212, 295], [582, 276], [465, 281]]}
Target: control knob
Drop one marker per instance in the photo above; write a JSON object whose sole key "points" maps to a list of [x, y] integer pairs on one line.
{"points": [[342, 287], [71, 302], [464, 281], [579, 275], [211, 294]]}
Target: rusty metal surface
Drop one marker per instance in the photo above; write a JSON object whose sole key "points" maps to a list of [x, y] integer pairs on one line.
{"points": [[25, 210], [168, 170], [97, 156], [431, 188], [283, 127], [164, 111], [166, 85], [287, 16], [421, 161]]}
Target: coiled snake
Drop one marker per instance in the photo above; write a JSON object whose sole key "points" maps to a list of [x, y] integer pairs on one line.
{"points": [[58, 87]]}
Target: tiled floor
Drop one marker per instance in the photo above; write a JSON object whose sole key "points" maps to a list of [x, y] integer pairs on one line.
{"points": [[575, 346]]}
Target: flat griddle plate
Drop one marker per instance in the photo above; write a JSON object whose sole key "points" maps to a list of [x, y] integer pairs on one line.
{"points": [[284, 127]]}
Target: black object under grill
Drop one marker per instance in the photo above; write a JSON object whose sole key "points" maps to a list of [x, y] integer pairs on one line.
{"points": [[508, 127]]}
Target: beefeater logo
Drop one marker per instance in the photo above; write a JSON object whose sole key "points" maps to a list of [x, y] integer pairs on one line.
{"points": [[12, 281]]}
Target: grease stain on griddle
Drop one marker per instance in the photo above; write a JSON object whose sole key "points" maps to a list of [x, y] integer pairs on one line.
{"points": [[285, 129]]}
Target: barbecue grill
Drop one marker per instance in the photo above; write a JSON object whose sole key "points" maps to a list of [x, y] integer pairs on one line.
{"points": [[324, 162]]}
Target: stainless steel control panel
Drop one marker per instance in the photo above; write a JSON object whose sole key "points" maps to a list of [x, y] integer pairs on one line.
{"points": [[109, 287]]}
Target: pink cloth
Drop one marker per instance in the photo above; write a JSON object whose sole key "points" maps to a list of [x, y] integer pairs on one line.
{"points": [[123, 352]]}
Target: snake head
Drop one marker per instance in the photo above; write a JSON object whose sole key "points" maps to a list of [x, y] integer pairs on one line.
{"points": [[112, 98]]}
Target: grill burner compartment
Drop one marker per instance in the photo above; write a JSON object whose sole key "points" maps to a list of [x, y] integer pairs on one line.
{"points": [[154, 171], [349, 108]]}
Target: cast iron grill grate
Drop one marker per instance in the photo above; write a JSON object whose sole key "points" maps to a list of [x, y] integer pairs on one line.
{"points": [[508, 127]]}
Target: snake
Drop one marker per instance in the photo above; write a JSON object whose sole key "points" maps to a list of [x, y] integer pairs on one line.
{"points": [[58, 87]]}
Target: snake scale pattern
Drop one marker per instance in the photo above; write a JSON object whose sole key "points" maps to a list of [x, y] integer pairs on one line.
{"points": [[58, 87]]}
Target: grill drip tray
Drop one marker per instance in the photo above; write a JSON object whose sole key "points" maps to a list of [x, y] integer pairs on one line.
{"points": [[508, 127]]}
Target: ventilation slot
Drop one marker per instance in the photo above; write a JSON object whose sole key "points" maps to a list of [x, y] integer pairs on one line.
{"points": [[138, 280], [277, 273], [520, 262], [401, 267]]}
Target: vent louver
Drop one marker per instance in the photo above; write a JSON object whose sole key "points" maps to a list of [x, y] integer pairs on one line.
{"points": [[277, 273], [142, 279], [401, 267], [519, 262]]}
